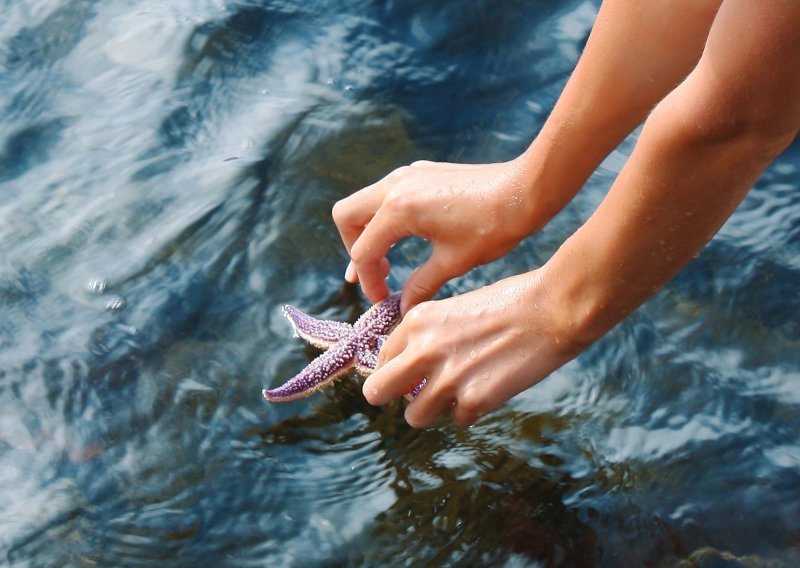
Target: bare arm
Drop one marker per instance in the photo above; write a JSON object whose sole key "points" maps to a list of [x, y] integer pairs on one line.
{"points": [[637, 52], [700, 151]]}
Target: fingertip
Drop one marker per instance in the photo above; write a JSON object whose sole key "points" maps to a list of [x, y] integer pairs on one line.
{"points": [[370, 392], [375, 292], [415, 421]]}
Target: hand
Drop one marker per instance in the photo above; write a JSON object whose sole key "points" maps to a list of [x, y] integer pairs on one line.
{"points": [[472, 214], [477, 350]]}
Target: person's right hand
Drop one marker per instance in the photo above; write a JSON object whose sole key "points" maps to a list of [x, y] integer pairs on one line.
{"points": [[471, 214]]}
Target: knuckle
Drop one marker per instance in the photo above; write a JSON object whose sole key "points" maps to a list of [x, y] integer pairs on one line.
{"points": [[339, 212], [421, 163], [418, 315], [395, 199], [400, 172]]}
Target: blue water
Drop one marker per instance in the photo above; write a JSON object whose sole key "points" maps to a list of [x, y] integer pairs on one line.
{"points": [[167, 171]]}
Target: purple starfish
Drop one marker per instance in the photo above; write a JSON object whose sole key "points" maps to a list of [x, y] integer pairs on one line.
{"points": [[348, 346]]}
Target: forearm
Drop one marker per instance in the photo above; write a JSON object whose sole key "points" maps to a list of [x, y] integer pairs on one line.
{"points": [[699, 153], [637, 52], [674, 194], [701, 149]]}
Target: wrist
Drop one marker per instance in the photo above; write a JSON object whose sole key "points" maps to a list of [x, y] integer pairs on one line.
{"points": [[580, 305], [560, 159], [546, 187]]}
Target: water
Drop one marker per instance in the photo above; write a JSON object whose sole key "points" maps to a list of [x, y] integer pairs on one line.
{"points": [[167, 172]]}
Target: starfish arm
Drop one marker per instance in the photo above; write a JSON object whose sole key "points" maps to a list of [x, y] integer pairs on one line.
{"points": [[320, 373], [365, 363], [382, 317], [349, 346], [319, 333], [367, 355]]}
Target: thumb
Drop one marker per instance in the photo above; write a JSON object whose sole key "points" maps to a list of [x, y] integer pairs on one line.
{"points": [[426, 280]]}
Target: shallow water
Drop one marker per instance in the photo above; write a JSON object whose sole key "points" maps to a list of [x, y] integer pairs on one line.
{"points": [[167, 172]]}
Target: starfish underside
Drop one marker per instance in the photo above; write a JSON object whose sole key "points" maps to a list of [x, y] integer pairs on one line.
{"points": [[347, 347]]}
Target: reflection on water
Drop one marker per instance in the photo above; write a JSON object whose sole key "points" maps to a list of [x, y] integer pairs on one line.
{"points": [[167, 172]]}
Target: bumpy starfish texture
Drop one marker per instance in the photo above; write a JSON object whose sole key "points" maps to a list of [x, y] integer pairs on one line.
{"points": [[348, 347]]}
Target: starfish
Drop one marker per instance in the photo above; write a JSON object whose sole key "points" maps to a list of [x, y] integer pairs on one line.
{"points": [[347, 347]]}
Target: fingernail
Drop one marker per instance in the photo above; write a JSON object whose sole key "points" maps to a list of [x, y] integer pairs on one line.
{"points": [[350, 274]]}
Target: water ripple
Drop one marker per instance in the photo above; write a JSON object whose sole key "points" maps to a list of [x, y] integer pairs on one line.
{"points": [[167, 172]]}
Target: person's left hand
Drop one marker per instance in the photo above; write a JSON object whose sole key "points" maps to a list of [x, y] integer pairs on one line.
{"points": [[476, 350]]}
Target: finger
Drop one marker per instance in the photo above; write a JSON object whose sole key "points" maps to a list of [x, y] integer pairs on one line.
{"points": [[427, 279], [353, 213], [394, 345], [376, 288], [369, 251], [394, 379], [351, 275], [430, 403], [468, 408]]}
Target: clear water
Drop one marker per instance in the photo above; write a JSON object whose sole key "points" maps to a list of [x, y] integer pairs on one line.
{"points": [[166, 176]]}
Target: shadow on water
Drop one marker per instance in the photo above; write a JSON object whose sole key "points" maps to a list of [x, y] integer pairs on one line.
{"points": [[458, 496]]}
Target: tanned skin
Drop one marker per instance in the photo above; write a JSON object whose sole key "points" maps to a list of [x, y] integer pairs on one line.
{"points": [[717, 84]]}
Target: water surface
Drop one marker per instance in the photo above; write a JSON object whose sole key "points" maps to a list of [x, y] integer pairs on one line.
{"points": [[167, 172]]}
